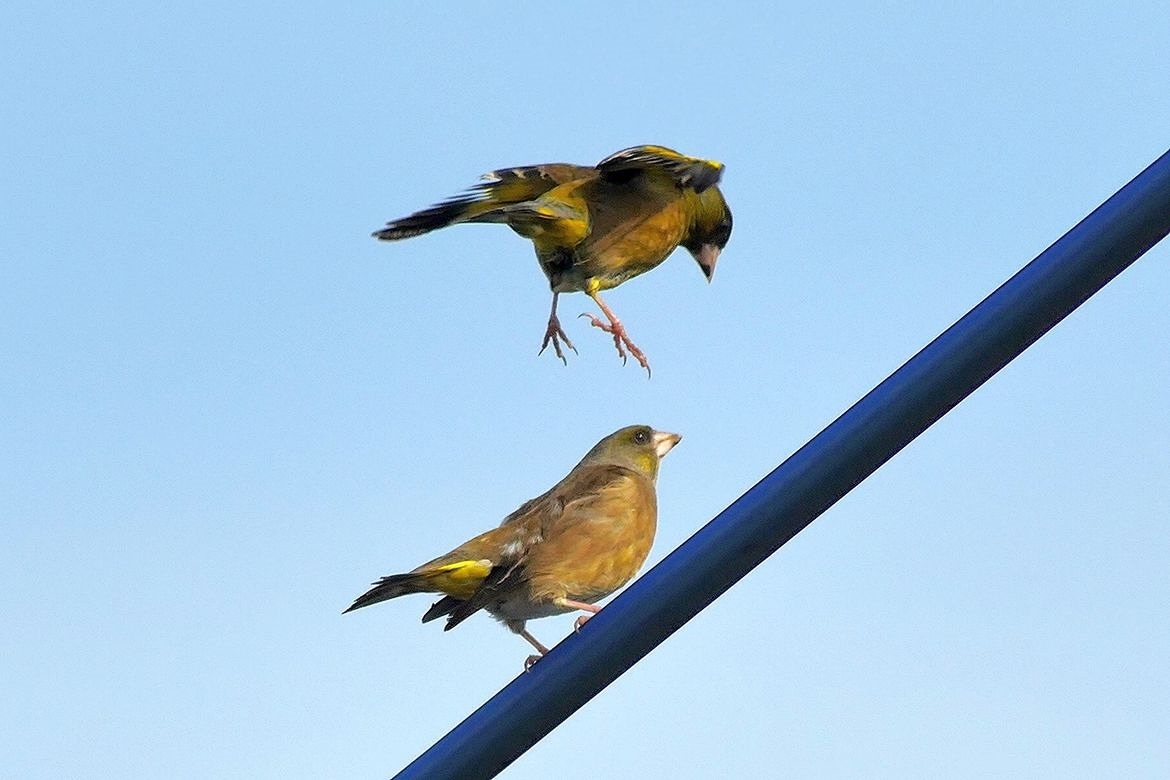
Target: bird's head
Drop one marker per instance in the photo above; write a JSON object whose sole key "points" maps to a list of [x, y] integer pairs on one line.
{"points": [[636, 447], [710, 228]]}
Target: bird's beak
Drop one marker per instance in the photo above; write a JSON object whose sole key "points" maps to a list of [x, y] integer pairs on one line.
{"points": [[707, 257], [664, 442]]}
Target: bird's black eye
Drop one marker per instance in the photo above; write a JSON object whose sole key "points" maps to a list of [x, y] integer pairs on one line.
{"points": [[641, 437]]}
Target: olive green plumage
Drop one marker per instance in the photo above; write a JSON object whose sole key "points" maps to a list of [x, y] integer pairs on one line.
{"points": [[595, 227]]}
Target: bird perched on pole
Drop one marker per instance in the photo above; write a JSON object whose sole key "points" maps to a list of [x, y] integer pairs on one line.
{"points": [[559, 552], [594, 227]]}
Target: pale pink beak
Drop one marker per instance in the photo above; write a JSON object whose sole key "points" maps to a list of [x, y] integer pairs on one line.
{"points": [[707, 257]]}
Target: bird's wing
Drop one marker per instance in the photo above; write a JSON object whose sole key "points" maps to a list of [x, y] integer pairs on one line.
{"points": [[515, 185], [593, 501], [557, 220], [692, 172], [502, 578], [441, 608], [523, 529]]}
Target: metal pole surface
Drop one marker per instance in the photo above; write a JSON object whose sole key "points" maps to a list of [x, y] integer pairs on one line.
{"points": [[810, 481]]}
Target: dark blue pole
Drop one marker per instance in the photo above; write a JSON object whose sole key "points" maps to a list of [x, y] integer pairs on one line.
{"points": [[809, 482]]}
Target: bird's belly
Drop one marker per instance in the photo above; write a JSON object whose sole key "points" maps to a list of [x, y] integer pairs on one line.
{"points": [[593, 275], [606, 263], [521, 606], [602, 575]]}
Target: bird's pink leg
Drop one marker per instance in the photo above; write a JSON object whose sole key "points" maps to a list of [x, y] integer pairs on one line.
{"points": [[593, 609], [554, 334], [530, 660], [569, 604], [615, 328]]}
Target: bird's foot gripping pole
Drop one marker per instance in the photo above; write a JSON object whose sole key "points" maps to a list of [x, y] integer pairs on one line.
{"points": [[532, 659], [592, 609]]}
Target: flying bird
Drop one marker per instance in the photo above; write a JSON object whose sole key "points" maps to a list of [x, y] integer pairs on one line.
{"points": [[562, 551], [594, 227]]}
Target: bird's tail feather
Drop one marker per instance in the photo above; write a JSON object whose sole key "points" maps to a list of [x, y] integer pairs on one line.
{"points": [[461, 208], [478, 204], [390, 588], [459, 580]]}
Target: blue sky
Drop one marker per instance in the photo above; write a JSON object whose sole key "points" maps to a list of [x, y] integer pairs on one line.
{"points": [[227, 409]]}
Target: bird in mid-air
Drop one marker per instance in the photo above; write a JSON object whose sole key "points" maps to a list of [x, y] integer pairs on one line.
{"points": [[561, 551], [594, 227]]}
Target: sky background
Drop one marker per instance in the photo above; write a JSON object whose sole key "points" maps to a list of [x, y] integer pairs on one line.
{"points": [[225, 409]]}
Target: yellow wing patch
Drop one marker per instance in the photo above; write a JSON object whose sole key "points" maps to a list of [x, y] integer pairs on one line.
{"points": [[460, 579]]}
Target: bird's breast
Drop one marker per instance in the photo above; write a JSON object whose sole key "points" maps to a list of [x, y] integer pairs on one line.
{"points": [[593, 559]]}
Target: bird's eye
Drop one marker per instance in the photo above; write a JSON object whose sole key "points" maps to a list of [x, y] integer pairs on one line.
{"points": [[641, 437]]}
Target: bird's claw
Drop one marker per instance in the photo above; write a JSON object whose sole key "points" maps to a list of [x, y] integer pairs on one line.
{"points": [[530, 661], [553, 336], [621, 340], [580, 621], [617, 340]]}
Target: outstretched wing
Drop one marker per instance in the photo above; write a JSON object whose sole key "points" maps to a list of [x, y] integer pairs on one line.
{"points": [[691, 172]]}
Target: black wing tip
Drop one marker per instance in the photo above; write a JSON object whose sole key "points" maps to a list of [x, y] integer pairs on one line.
{"points": [[441, 608]]}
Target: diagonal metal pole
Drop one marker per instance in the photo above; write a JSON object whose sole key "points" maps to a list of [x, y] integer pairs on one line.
{"points": [[809, 482]]}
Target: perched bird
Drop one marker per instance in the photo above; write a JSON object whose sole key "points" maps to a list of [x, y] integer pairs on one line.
{"points": [[561, 551], [595, 227]]}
